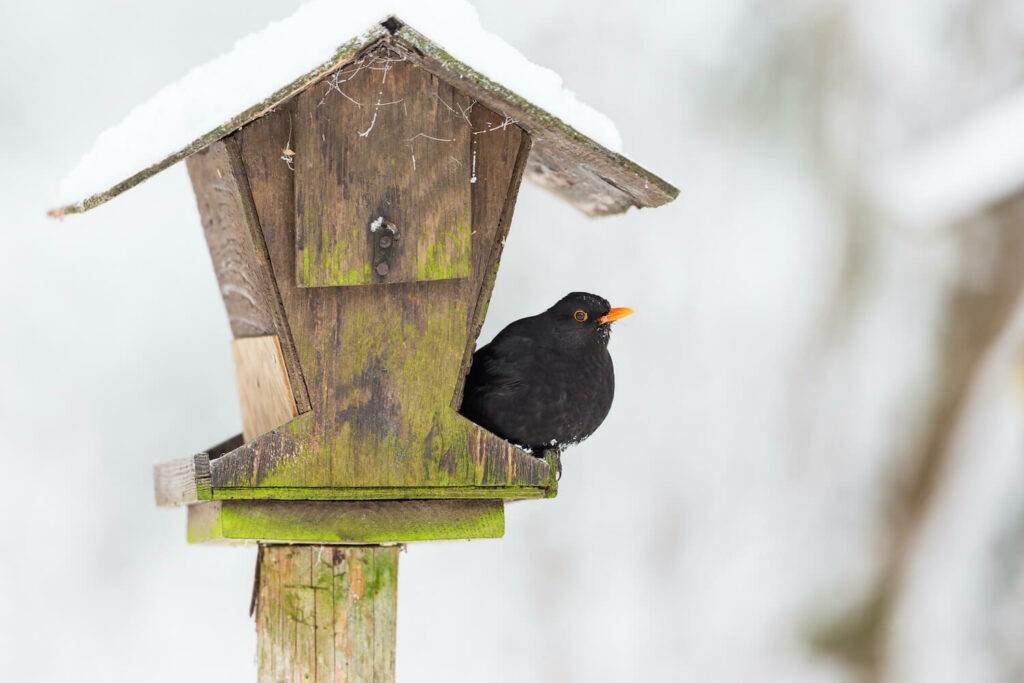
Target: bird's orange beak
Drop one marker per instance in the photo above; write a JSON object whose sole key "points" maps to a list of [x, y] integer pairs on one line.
{"points": [[614, 314]]}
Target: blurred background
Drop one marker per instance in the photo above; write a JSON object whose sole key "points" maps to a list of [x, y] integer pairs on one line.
{"points": [[814, 466]]}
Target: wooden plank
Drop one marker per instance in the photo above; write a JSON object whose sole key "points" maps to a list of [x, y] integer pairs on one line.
{"points": [[262, 260], [491, 154], [235, 240], [182, 481], [508, 492], [327, 614], [187, 480], [242, 283], [389, 142], [344, 522], [382, 363], [264, 392]]}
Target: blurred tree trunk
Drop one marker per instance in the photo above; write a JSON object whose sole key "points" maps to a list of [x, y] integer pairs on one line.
{"points": [[978, 308]]}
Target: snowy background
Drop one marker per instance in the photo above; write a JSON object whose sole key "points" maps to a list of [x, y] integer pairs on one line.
{"points": [[813, 470]]}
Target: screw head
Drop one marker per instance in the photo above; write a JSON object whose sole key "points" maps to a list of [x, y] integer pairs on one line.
{"points": [[385, 241], [382, 268]]}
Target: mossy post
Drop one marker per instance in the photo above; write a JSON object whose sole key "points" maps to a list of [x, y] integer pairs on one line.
{"points": [[355, 219], [327, 613]]}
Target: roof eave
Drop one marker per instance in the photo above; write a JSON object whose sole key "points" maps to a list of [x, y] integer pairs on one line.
{"points": [[589, 176]]}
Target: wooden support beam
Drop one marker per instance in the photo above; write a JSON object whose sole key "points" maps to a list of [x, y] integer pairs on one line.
{"points": [[327, 613]]}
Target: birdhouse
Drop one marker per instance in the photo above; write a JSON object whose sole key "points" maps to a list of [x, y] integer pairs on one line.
{"points": [[355, 219]]}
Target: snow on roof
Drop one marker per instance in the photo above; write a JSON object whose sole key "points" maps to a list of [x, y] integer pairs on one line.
{"points": [[977, 163], [271, 64]]}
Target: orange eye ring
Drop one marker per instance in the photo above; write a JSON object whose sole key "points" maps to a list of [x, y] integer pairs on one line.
{"points": [[580, 316]]}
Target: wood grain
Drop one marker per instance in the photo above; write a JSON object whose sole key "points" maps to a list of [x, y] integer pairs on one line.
{"points": [[264, 391], [389, 142], [345, 522], [237, 247], [382, 363], [327, 614], [243, 284], [182, 481]]}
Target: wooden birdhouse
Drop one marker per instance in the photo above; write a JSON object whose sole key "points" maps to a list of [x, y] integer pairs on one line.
{"points": [[355, 219]]}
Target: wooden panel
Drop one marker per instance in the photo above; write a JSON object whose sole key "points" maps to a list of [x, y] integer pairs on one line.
{"points": [[390, 141], [327, 614], [264, 392], [449, 491], [383, 364], [235, 239], [352, 522], [225, 225]]}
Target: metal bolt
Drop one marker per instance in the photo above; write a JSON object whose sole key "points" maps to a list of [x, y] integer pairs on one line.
{"points": [[385, 241], [382, 268]]}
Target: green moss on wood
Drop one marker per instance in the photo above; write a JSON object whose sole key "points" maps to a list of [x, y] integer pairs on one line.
{"points": [[349, 522], [378, 492], [381, 364], [327, 614], [444, 260]]}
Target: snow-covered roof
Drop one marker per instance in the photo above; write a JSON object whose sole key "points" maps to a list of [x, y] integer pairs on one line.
{"points": [[575, 148]]}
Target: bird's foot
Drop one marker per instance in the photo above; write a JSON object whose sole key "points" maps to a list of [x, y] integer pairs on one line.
{"points": [[553, 456]]}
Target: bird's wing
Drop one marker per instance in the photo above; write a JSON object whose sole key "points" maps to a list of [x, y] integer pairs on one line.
{"points": [[500, 366]]}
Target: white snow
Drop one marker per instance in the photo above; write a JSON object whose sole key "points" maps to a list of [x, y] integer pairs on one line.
{"points": [[263, 62], [962, 170]]}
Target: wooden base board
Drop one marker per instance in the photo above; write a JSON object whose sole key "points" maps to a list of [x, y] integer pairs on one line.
{"points": [[186, 481], [344, 522]]}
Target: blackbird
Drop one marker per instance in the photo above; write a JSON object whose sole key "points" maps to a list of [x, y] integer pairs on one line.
{"points": [[546, 381]]}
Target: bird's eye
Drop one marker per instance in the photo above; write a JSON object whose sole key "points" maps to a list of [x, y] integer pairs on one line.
{"points": [[581, 316]]}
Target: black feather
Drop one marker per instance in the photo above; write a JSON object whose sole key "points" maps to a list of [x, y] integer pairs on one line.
{"points": [[545, 381]]}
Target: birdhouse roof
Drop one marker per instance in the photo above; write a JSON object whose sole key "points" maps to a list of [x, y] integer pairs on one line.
{"points": [[575, 148]]}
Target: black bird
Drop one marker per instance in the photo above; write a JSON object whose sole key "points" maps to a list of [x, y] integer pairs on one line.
{"points": [[546, 381]]}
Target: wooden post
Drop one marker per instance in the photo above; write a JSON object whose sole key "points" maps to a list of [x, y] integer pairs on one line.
{"points": [[327, 613]]}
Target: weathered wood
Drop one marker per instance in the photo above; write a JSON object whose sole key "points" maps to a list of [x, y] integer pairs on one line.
{"points": [[382, 364], [506, 492], [386, 143], [222, 212], [490, 155], [589, 176], [348, 522], [570, 164], [182, 481], [186, 480], [327, 613], [264, 392], [235, 239]]}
